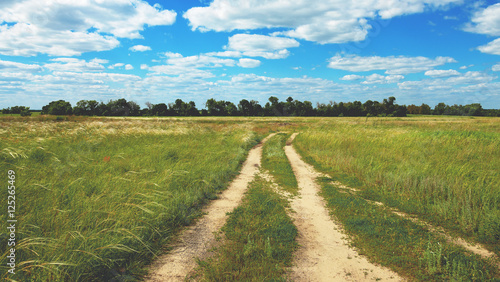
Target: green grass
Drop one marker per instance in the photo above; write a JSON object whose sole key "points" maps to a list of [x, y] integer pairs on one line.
{"points": [[445, 170], [401, 244], [275, 161], [258, 239], [98, 198]]}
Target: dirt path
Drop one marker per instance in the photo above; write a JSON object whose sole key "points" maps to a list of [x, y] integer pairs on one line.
{"points": [[323, 254], [195, 241]]}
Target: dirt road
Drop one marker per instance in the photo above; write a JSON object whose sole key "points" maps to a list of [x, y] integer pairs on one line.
{"points": [[323, 254], [196, 240]]}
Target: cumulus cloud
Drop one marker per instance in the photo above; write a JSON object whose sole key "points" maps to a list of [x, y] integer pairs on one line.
{"points": [[191, 66], [496, 67], [486, 21], [8, 66], [139, 48], [117, 65], [75, 65], [352, 77], [330, 21], [129, 67], [256, 42], [255, 45], [391, 64], [248, 63], [442, 73], [69, 28], [491, 48], [381, 79]]}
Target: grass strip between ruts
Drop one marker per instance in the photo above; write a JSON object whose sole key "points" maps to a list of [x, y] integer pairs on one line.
{"points": [[276, 162], [259, 239]]}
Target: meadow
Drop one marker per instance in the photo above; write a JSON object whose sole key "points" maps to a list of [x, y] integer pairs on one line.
{"points": [[445, 170], [99, 198]]}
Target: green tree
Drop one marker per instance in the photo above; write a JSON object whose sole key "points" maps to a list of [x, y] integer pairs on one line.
{"points": [[160, 110], [59, 107]]}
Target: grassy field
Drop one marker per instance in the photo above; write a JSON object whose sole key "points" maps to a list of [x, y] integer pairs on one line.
{"points": [[99, 198], [444, 170]]}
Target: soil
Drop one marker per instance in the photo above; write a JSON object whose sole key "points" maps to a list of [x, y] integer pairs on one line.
{"points": [[324, 254], [197, 240]]}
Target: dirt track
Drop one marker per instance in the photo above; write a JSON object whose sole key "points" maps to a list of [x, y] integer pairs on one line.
{"points": [[197, 240], [323, 254]]}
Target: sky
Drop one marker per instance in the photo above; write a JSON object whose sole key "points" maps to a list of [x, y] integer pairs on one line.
{"points": [[419, 51]]}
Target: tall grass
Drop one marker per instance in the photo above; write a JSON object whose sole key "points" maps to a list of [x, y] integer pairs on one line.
{"points": [[446, 170], [97, 199], [401, 244]]}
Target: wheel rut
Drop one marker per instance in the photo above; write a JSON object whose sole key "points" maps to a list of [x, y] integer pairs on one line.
{"points": [[196, 241], [324, 254]]}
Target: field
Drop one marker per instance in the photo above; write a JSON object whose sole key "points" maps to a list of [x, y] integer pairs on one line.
{"points": [[100, 198]]}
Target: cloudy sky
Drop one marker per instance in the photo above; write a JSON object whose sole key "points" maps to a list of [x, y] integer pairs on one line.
{"points": [[420, 51]]}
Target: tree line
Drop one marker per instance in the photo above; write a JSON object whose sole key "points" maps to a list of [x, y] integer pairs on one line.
{"points": [[273, 107]]}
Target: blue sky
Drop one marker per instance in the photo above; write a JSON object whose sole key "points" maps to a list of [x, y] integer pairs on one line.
{"points": [[420, 51]]}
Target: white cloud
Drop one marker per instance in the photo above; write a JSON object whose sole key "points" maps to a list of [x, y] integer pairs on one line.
{"points": [[391, 64], [140, 48], [491, 48], [442, 73], [331, 21], [129, 67], [381, 79], [69, 28], [248, 63], [24, 39], [466, 67], [117, 65], [256, 43], [231, 54], [352, 77], [191, 66], [496, 67], [486, 21], [75, 65], [15, 67], [454, 82]]}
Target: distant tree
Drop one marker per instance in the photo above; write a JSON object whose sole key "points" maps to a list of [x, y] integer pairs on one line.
{"points": [[86, 108], [191, 109], [25, 112], [439, 109], [220, 108], [22, 110], [160, 110], [231, 109], [425, 109], [59, 107], [121, 107], [245, 108]]}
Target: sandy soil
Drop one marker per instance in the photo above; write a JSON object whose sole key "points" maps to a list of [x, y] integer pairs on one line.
{"points": [[324, 254], [196, 240]]}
